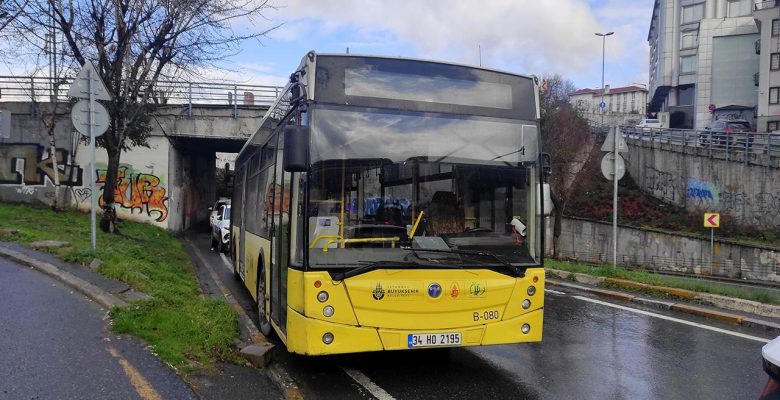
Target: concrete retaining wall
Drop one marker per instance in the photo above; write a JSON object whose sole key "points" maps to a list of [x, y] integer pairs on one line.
{"points": [[591, 241], [750, 193]]}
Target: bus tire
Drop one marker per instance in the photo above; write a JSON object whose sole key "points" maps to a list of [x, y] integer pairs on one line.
{"points": [[262, 317]]}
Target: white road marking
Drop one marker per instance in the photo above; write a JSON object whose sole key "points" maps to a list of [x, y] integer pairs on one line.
{"points": [[226, 261], [368, 384], [553, 291], [681, 321]]}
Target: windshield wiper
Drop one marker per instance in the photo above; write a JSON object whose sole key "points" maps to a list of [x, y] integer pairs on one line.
{"points": [[372, 265], [515, 270]]}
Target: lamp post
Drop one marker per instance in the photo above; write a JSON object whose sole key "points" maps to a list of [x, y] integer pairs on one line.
{"points": [[603, 54]]}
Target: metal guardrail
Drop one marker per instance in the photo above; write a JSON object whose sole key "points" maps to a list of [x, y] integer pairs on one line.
{"points": [[189, 94], [753, 148]]}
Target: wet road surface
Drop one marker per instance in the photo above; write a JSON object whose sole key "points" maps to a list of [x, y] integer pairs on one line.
{"points": [[55, 344], [590, 350]]}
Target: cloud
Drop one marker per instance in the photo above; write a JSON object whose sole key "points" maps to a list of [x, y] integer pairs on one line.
{"points": [[527, 36]]}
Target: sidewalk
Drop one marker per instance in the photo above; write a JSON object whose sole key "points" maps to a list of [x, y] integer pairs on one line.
{"points": [[726, 309], [229, 381]]}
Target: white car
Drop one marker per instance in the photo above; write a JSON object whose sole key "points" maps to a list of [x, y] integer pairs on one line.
{"points": [[220, 230], [213, 211], [649, 123]]}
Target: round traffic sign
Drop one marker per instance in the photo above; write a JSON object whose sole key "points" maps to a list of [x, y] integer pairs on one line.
{"points": [[602, 104], [80, 117], [608, 166]]}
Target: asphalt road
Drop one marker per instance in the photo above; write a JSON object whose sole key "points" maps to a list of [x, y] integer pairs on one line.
{"points": [[55, 344], [592, 349]]}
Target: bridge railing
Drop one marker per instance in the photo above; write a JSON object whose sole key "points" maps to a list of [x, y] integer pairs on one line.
{"points": [[747, 147], [190, 94]]}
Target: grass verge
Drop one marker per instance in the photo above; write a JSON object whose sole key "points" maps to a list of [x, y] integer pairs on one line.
{"points": [[184, 329], [663, 280]]}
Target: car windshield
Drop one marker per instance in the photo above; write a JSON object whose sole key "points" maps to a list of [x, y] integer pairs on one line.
{"points": [[385, 187], [226, 215]]}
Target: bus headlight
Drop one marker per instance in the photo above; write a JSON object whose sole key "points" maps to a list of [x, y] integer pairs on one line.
{"points": [[328, 311], [526, 304], [531, 290], [327, 338], [525, 328], [322, 296]]}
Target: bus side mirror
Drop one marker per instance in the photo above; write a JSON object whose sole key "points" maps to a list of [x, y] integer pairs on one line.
{"points": [[296, 148]]}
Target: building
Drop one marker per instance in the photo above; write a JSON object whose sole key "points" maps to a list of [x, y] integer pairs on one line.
{"points": [[703, 61], [767, 17], [622, 105]]}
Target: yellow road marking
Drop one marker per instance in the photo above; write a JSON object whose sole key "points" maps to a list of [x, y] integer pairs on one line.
{"points": [[141, 385]]}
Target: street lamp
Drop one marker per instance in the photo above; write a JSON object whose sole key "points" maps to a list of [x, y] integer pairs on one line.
{"points": [[603, 53]]}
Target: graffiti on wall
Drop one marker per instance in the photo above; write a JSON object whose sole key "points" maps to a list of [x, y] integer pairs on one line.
{"points": [[137, 191], [33, 165], [661, 184], [760, 204], [702, 193]]}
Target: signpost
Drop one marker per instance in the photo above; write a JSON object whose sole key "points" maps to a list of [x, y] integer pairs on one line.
{"points": [[613, 168], [90, 119], [712, 221]]}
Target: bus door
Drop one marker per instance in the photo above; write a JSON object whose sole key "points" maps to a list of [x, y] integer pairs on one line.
{"points": [[241, 175], [280, 242]]}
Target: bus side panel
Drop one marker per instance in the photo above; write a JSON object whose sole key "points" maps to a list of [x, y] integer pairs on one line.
{"points": [[255, 246], [296, 290]]}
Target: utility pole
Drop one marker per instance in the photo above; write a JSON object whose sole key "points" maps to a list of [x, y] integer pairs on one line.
{"points": [[602, 105]]}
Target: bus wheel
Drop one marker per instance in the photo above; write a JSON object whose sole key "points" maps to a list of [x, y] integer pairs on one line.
{"points": [[262, 316]]}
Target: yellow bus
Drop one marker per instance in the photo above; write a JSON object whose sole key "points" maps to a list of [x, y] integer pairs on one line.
{"points": [[393, 203]]}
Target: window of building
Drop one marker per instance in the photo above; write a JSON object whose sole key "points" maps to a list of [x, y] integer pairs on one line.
{"points": [[689, 39], [774, 62], [774, 95], [776, 27], [772, 126], [633, 101], [692, 13], [738, 8], [685, 95], [688, 64]]}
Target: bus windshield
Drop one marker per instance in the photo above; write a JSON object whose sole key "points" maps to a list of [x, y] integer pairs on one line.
{"points": [[421, 188]]}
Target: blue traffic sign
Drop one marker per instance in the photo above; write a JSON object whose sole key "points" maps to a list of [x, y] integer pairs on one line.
{"points": [[602, 105]]}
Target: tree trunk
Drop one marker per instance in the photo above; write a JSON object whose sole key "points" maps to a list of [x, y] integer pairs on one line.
{"points": [[108, 220]]}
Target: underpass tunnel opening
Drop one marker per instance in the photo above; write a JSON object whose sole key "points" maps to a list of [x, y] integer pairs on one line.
{"points": [[202, 172]]}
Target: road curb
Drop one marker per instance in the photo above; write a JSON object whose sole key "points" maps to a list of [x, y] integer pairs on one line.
{"points": [[90, 290], [674, 306], [726, 303]]}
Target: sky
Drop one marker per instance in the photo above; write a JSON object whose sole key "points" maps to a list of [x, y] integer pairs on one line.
{"points": [[533, 37]]}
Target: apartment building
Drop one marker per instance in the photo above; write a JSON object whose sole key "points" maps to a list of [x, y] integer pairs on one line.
{"points": [[623, 105], [703, 62], [767, 17]]}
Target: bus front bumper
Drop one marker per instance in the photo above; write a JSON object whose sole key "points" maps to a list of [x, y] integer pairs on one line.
{"points": [[308, 336]]}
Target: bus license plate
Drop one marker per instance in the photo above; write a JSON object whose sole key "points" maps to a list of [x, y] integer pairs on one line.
{"points": [[434, 339]]}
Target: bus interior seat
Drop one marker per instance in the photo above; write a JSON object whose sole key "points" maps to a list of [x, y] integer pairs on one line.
{"points": [[323, 226], [444, 214]]}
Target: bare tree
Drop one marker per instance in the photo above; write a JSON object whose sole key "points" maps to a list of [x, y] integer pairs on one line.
{"points": [[574, 151], [9, 11], [136, 43]]}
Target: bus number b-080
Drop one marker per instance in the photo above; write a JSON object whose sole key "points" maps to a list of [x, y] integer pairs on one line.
{"points": [[486, 315]]}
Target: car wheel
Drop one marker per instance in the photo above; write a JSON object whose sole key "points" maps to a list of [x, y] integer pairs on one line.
{"points": [[262, 317]]}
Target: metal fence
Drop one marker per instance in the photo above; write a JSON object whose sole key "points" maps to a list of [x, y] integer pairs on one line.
{"points": [[747, 147], [190, 94]]}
